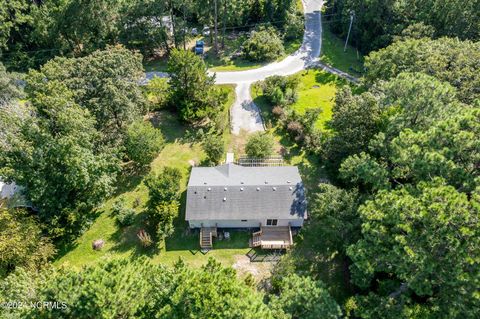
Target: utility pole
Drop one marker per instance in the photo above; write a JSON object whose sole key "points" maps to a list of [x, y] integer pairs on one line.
{"points": [[352, 15]]}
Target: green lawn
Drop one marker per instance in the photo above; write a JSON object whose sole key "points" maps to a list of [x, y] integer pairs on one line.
{"points": [[158, 65], [220, 63], [332, 54], [329, 268], [123, 242], [317, 89]]}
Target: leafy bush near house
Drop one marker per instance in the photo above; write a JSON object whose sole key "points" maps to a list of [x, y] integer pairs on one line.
{"points": [[214, 148], [143, 142], [157, 92], [263, 45], [259, 145]]}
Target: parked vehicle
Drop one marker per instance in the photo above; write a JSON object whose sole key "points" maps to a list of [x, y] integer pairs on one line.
{"points": [[194, 31], [206, 31], [199, 47]]}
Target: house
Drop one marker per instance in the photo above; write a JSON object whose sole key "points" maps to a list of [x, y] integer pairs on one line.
{"points": [[233, 196]]}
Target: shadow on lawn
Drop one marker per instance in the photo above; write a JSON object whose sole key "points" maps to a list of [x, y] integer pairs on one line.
{"points": [[327, 78]]}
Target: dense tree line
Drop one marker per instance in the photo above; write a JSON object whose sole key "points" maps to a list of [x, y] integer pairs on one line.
{"points": [[33, 32], [400, 217], [378, 22], [124, 289]]}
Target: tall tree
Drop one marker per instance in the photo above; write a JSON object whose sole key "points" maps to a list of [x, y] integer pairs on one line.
{"points": [[130, 289], [22, 242], [105, 83], [421, 244], [193, 92], [303, 297], [53, 156], [449, 60]]}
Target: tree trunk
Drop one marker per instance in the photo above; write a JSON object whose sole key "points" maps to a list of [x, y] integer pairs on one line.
{"points": [[224, 27], [172, 18], [216, 27]]}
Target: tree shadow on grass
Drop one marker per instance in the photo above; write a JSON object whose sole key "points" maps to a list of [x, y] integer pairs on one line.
{"points": [[327, 78], [126, 239], [168, 122], [130, 177]]}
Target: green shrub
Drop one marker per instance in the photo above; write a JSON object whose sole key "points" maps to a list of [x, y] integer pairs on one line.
{"points": [[123, 215], [281, 90], [263, 45], [214, 148], [143, 142], [157, 92], [294, 27], [259, 145]]}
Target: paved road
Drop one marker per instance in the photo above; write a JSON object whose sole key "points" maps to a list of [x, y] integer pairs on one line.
{"points": [[307, 54], [245, 115]]}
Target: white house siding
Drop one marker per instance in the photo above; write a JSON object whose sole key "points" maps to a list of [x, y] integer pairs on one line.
{"points": [[250, 223]]}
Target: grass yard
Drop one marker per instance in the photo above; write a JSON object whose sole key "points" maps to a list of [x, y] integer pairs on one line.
{"points": [[157, 65], [123, 242], [332, 54], [317, 89]]}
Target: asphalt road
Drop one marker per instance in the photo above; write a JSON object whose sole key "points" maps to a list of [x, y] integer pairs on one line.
{"points": [[245, 114]]}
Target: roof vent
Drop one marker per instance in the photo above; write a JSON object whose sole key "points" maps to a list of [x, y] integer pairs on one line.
{"points": [[241, 189], [204, 183], [288, 182], [274, 188], [242, 182], [290, 188], [224, 199], [258, 188], [209, 189], [266, 182], [225, 189]]}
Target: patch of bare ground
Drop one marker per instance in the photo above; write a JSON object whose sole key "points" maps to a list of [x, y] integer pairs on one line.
{"points": [[259, 270]]}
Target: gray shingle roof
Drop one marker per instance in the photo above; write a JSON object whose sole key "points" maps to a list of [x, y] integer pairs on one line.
{"points": [[233, 192]]}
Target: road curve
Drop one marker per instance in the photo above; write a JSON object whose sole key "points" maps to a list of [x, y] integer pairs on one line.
{"points": [[302, 58], [244, 114]]}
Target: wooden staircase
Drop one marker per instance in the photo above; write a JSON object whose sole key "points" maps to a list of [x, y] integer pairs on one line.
{"points": [[206, 237], [256, 238]]}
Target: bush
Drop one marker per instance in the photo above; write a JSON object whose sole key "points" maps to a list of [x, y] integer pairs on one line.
{"points": [[281, 90], [143, 142], [263, 45], [278, 112], [123, 215], [259, 145], [157, 92], [214, 148]]}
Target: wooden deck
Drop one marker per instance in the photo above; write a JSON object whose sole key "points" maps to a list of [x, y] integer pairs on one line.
{"points": [[272, 237]]}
